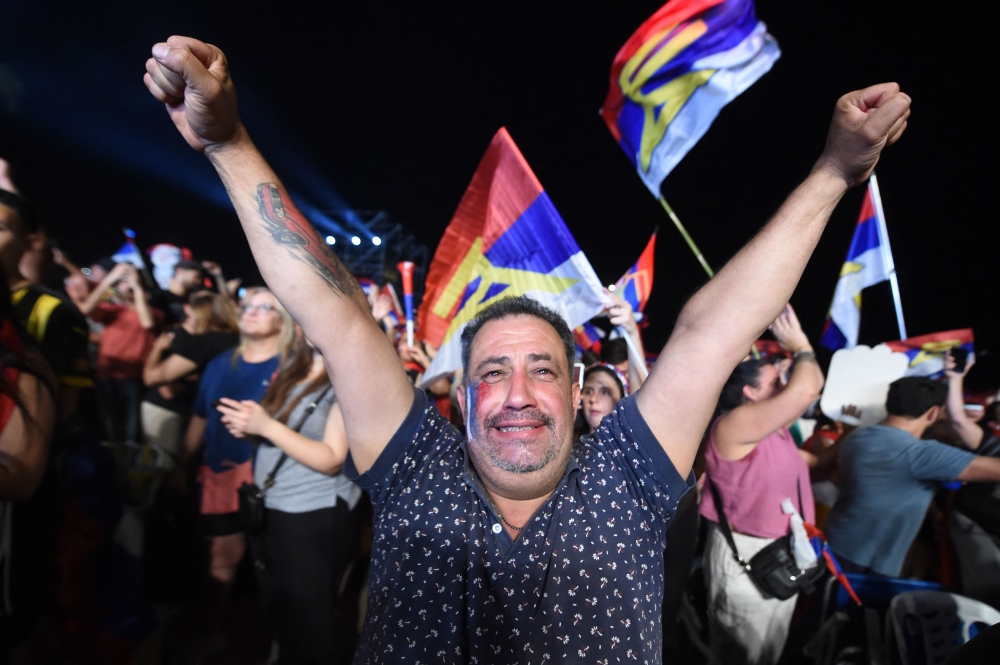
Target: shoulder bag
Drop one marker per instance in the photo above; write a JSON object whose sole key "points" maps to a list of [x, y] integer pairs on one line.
{"points": [[252, 513], [772, 569]]}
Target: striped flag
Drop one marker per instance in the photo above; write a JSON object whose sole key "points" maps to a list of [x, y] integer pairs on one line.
{"points": [[676, 73], [869, 261]]}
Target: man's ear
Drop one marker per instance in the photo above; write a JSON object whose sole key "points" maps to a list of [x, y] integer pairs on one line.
{"points": [[460, 394], [575, 391], [932, 414], [748, 392]]}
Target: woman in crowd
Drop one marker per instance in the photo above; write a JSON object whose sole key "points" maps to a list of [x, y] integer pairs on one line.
{"points": [[311, 517], [178, 358], [27, 417], [753, 463], [125, 343], [266, 336], [603, 387]]}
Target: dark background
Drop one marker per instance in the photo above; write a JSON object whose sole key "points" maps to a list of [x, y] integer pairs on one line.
{"points": [[390, 106]]}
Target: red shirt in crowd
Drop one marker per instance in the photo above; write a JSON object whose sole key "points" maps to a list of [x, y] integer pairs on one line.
{"points": [[124, 343]]}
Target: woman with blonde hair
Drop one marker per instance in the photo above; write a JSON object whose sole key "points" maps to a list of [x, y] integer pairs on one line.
{"points": [[266, 336], [175, 364]]}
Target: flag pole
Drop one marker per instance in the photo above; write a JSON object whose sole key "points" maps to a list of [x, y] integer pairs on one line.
{"points": [[887, 255], [687, 237], [697, 253]]}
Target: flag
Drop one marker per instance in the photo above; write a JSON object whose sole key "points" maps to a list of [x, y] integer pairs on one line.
{"points": [[635, 285], [129, 252], [505, 239], [673, 76], [869, 262], [588, 336], [926, 353]]}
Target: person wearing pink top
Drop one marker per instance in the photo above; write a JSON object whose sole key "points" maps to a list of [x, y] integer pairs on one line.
{"points": [[754, 463]]}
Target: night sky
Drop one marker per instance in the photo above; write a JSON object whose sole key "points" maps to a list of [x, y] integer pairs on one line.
{"points": [[390, 106]]}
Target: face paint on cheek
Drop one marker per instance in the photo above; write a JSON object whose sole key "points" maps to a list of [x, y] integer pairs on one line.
{"points": [[473, 398]]}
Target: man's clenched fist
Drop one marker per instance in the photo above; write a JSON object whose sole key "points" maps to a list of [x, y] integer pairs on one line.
{"points": [[864, 122], [192, 79]]}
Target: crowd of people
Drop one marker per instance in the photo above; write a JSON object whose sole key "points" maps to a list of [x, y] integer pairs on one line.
{"points": [[165, 445]]}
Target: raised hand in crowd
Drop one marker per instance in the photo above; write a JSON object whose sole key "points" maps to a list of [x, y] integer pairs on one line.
{"points": [[719, 323], [968, 431], [192, 79], [620, 314]]}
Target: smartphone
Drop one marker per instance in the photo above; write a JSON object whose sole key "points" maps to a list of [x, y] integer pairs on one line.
{"points": [[961, 356], [216, 404], [578, 371]]}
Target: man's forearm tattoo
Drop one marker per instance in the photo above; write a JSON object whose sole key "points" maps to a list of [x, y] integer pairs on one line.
{"points": [[287, 226]]}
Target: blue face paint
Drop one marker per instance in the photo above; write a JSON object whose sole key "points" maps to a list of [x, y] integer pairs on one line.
{"points": [[470, 409]]}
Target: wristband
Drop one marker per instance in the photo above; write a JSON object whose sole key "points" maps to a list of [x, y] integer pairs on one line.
{"points": [[804, 356]]}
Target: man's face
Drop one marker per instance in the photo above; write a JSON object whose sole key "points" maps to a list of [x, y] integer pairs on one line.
{"points": [[12, 242], [188, 278], [519, 404]]}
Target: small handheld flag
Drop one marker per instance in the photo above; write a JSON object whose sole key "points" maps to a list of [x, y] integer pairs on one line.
{"points": [[675, 74], [926, 352], [637, 283], [406, 271], [129, 252], [505, 239], [869, 261]]}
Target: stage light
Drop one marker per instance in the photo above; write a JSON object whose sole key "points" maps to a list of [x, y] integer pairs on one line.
{"points": [[330, 240], [355, 240], [611, 287], [376, 241]]}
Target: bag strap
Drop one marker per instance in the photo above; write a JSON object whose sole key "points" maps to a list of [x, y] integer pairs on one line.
{"points": [[269, 481], [724, 523]]}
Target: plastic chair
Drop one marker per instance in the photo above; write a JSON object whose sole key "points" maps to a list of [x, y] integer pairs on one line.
{"points": [[847, 631], [926, 627]]}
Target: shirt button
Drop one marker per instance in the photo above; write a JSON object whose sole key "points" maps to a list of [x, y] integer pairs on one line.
{"points": [[497, 528]]}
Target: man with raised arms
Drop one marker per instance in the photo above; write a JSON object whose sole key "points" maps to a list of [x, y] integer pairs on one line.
{"points": [[514, 545]]}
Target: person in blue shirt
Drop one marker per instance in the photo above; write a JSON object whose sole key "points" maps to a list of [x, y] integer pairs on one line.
{"points": [[889, 476], [266, 335], [510, 543]]}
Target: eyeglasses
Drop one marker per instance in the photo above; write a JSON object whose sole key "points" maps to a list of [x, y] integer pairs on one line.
{"points": [[263, 308]]}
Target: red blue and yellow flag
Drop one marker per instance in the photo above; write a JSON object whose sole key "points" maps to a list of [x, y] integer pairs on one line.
{"points": [[675, 74], [505, 239], [869, 262], [926, 353], [588, 336], [637, 283]]}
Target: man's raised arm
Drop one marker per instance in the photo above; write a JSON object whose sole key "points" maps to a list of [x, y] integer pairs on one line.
{"points": [[717, 326], [192, 79]]}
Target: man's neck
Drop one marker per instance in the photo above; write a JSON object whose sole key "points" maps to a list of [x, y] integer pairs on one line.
{"points": [[259, 350], [914, 426], [516, 511], [177, 289]]}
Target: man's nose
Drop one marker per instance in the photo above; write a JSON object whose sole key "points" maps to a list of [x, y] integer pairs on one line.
{"points": [[520, 391]]}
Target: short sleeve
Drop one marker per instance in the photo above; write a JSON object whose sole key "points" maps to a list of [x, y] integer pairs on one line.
{"points": [[932, 460], [625, 436], [397, 445]]}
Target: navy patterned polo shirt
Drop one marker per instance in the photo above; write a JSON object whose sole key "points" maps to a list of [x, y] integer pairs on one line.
{"points": [[583, 583]]}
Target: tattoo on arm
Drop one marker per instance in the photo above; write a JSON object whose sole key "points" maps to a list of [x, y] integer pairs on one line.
{"points": [[287, 226]]}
